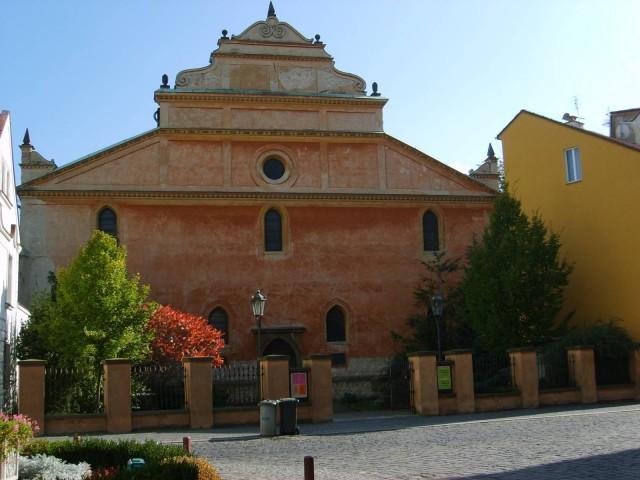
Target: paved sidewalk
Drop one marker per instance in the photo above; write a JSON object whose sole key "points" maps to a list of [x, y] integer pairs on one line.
{"points": [[559, 443]]}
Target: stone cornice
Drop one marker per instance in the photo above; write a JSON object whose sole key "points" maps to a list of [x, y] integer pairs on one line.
{"points": [[254, 56], [252, 196], [233, 96]]}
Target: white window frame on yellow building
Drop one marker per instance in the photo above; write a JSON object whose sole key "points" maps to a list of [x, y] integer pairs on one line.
{"points": [[573, 164]]}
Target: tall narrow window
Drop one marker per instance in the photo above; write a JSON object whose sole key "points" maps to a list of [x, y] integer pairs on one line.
{"points": [[273, 231], [574, 164], [430, 234], [10, 277], [219, 320], [336, 326], [107, 221]]}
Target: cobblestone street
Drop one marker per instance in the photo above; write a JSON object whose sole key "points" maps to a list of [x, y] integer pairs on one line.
{"points": [[594, 443]]}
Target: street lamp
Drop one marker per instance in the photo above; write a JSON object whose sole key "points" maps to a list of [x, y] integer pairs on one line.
{"points": [[258, 302], [437, 306]]}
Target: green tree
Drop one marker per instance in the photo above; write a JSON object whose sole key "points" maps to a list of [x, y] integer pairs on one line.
{"points": [[100, 311], [440, 277], [95, 311], [513, 282]]}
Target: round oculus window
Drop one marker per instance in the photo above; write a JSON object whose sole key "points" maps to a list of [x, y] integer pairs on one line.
{"points": [[273, 169]]}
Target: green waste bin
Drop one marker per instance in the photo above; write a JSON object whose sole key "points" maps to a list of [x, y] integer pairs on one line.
{"points": [[288, 416], [268, 418]]}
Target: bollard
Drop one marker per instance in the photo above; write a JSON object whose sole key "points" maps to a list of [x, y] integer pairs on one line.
{"points": [[186, 444], [308, 468]]}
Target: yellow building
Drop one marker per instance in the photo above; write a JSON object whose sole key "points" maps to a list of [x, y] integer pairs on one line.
{"points": [[586, 187]]}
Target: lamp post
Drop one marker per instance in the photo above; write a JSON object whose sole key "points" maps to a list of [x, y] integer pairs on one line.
{"points": [[258, 302], [437, 306]]}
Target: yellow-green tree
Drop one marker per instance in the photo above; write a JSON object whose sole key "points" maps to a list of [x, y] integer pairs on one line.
{"points": [[98, 311]]}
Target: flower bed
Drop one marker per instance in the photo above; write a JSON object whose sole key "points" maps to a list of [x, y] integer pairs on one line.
{"points": [[108, 459]]}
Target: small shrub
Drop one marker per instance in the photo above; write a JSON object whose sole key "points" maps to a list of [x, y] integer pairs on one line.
{"points": [[189, 468], [608, 338], [46, 467]]}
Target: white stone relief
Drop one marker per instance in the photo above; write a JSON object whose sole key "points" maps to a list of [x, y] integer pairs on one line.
{"points": [[275, 30], [297, 79]]}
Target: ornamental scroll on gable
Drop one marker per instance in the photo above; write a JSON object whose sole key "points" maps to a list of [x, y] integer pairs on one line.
{"points": [[271, 56]]}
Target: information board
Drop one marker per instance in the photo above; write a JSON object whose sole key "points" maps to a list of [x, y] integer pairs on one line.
{"points": [[299, 385], [444, 378]]}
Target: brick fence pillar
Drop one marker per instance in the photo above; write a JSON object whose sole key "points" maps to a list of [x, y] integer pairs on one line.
{"points": [[198, 391], [320, 388], [31, 390], [424, 386], [274, 376], [634, 370], [117, 394], [463, 379], [583, 372], [525, 375]]}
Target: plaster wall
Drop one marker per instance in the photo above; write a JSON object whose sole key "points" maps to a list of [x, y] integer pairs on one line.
{"points": [[595, 218], [12, 315], [199, 256], [192, 162]]}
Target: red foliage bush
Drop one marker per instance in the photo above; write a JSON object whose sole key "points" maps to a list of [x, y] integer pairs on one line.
{"points": [[103, 473], [179, 334]]}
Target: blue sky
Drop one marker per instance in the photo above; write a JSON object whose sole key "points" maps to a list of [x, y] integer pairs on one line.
{"points": [[81, 75]]}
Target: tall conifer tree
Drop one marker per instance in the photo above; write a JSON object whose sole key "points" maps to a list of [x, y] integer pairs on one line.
{"points": [[514, 279]]}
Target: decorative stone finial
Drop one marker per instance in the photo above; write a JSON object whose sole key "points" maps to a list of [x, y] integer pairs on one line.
{"points": [[165, 81], [272, 11], [490, 152], [26, 140], [374, 86], [317, 37], [224, 35]]}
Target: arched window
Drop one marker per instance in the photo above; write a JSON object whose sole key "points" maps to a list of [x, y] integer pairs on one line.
{"points": [[336, 325], [430, 234], [273, 231], [107, 221], [219, 320]]}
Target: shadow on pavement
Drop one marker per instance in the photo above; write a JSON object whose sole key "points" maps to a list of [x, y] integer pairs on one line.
{"points": [[620, 466]]}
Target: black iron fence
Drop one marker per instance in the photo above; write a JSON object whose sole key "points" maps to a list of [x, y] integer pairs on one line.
{"points": [[72, 390], [156, 386], [555, 370], [492, 373], [396, 384], [612, 371], [235, 385]]}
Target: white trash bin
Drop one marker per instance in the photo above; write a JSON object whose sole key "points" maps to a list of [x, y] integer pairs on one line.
{"points": [[268, 418]]}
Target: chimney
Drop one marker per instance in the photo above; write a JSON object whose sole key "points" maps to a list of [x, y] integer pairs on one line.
{"points": [[32, 164], [625, 125], [572, 120]]}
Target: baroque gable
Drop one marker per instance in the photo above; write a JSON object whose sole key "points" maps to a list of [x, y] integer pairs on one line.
{"points": [[271, 56]]}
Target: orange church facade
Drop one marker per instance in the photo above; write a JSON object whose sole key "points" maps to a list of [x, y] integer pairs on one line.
{"points": [[269, 168]]}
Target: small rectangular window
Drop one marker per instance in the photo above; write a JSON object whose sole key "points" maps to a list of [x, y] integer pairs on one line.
{"points": [[573, 164]]}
